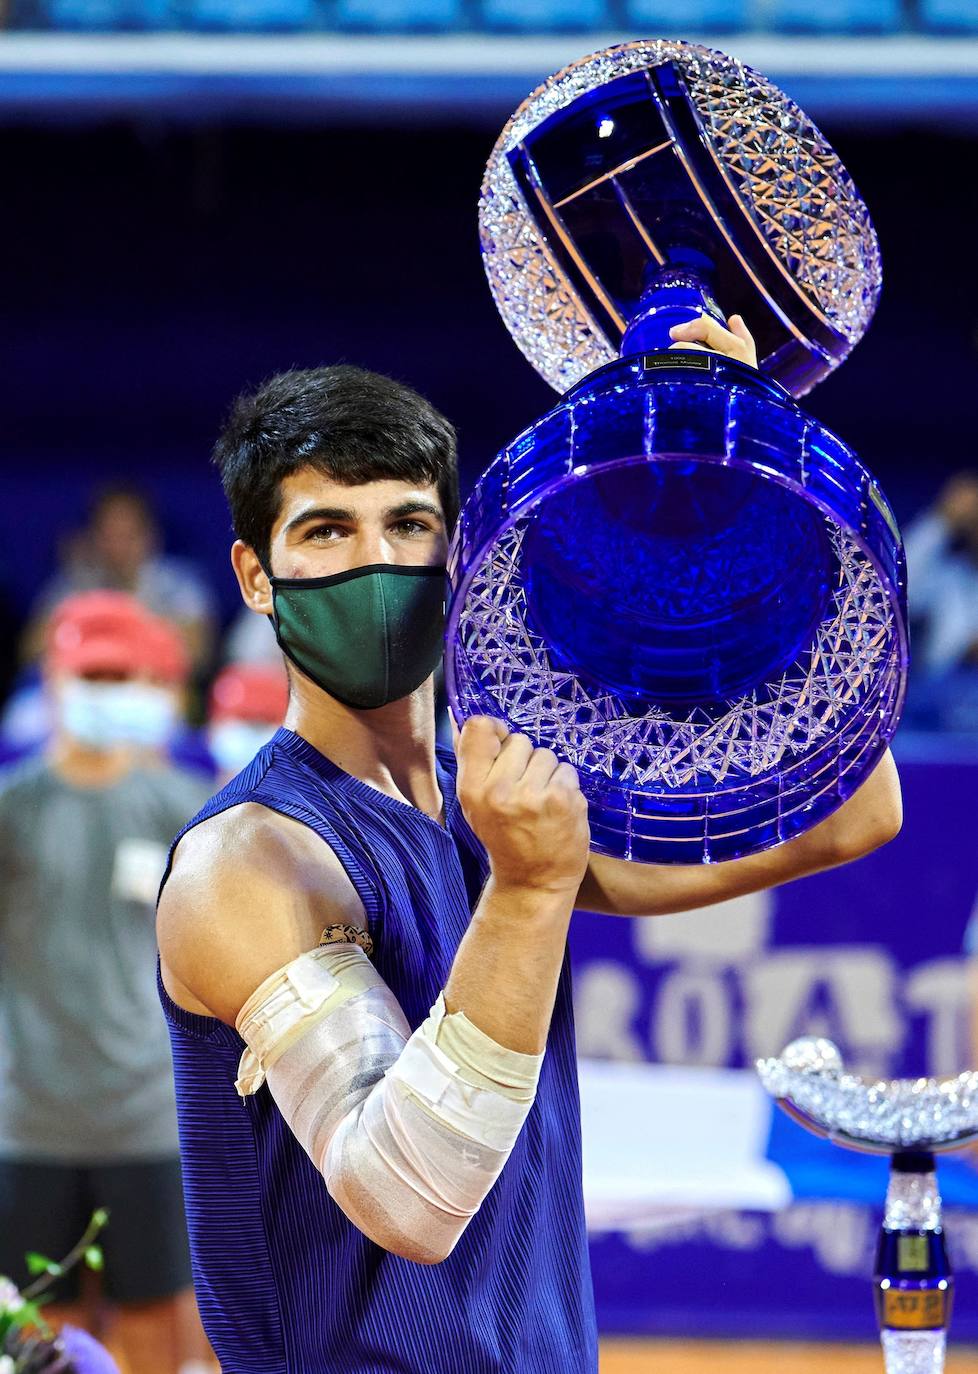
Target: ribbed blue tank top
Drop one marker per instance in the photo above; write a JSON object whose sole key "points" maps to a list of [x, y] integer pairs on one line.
{"points": [[286, 1284]]}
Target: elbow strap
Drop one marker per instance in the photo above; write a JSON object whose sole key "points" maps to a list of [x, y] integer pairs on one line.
{"points": [[291, 1000], [467, 1081]]}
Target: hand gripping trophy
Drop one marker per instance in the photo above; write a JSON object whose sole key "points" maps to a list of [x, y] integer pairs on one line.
{"points": [[910, 1120], [676, 579]]}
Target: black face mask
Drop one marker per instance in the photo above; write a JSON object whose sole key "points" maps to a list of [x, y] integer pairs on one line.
{"points": [[368, 636]]}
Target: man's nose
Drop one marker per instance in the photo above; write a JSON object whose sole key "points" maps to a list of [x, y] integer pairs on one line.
{"points": [[375, 547]]}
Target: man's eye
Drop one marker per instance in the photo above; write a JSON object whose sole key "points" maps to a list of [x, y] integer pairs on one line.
{"points": [[411, 527], [321, 532]]}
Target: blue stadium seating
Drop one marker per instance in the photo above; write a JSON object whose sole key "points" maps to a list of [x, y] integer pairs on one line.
{"points": [[679, 17], [244, 15], [949, 15], [99, 15], [835, 16], [651, 17], [380, 15], [541, 16]]}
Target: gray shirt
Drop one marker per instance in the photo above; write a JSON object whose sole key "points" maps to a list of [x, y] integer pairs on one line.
{"points": [[942, 587], [85, 1072]]}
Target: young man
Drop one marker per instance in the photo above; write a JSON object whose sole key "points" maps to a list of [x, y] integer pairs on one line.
{"points": [[399, 1190]]}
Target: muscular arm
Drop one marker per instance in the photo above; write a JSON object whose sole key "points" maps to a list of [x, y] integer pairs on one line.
{"points": [[870, 818], [245, 903], [249, 895], [249, 891]]}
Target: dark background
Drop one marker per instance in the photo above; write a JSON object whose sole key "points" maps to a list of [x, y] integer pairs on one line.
{"points": [[152, 270]]}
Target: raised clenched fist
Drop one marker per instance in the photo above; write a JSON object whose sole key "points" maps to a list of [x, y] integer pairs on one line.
{"points": [[525, 806]]}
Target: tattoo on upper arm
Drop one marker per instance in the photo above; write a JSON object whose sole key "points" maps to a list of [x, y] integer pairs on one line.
{"points": [[350, 935]]}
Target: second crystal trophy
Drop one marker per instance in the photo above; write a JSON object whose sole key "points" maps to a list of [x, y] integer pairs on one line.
{"points": [[912, 1121]]}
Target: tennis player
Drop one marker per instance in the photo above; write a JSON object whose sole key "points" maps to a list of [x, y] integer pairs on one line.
{"points": [[363, 939]]}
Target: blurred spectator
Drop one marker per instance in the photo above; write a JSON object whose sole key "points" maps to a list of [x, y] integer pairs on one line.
{"points": [[119, 550], [942, 567], [27, 720], [248, 704], [942, 575], [87, 1113]]}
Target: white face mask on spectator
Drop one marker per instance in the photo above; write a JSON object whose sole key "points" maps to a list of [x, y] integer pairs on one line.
{"points": [[234, 743], [102, 715]]}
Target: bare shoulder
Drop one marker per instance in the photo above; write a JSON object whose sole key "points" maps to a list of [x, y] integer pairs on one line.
{"points": [[251, 848], [249, 890]]}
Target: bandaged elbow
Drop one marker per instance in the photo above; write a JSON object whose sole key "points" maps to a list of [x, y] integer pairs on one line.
{"points": [[410, 1131]]}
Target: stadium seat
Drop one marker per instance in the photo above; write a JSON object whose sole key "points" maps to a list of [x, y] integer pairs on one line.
{"points": [[379, 15], [542, 15], [949, 15], [102, 15], [245, 15], [835, 16], [672, 18]]}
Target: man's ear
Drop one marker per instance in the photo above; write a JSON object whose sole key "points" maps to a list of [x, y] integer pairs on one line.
{"points": [[256, 590]]}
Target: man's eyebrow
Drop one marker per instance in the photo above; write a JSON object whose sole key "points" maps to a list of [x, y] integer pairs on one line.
{"points": [[321, 513], [414, 507]]}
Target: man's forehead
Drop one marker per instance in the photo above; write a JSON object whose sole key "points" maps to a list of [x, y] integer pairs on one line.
{"points": [[306, 485]]}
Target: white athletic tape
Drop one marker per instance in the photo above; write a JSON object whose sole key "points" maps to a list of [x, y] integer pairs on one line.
{"points": [[310, 986], [409, 1131], [478, 1113]]}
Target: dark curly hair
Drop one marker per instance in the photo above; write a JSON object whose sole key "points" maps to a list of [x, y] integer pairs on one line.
{"points": [[352, 425]]}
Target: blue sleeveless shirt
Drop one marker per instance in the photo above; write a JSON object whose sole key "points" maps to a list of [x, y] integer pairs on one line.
{"points": [[285, 1283]]}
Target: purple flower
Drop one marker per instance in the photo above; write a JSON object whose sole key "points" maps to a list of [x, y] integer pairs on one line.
{"points": [[87, 1355]]}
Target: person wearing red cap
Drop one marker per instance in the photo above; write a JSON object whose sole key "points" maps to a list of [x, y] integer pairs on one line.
{"points": [[115, 673], [248, 702], [87, 1114], [119, 548]]}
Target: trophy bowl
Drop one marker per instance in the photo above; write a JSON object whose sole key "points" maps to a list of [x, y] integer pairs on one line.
{"points": [[676, 579]]}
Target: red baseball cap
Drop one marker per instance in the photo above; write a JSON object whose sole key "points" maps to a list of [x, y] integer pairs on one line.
{"points": [[250, 691], [111, 632]]}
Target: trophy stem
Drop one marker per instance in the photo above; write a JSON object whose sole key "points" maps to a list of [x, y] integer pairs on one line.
{"points": [[913, 1279], [673, 295]]}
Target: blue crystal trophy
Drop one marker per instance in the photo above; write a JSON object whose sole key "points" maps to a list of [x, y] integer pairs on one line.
{"points": [[911, 1120], [677, 579]]}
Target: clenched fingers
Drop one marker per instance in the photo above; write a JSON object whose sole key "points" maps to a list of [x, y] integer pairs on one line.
{"points": [[478, 745], [540, 769], [512, 760]]}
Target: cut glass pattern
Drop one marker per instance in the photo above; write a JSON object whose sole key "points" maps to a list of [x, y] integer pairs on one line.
{"points": [[787, 176], [914, 1352], [894, 1114], [850, 666]]}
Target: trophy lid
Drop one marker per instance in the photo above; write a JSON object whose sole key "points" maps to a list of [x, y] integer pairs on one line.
{"points": [[665, 153]]}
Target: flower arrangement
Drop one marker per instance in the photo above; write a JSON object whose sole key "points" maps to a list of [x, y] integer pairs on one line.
{"points": [[27, 1343]]}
